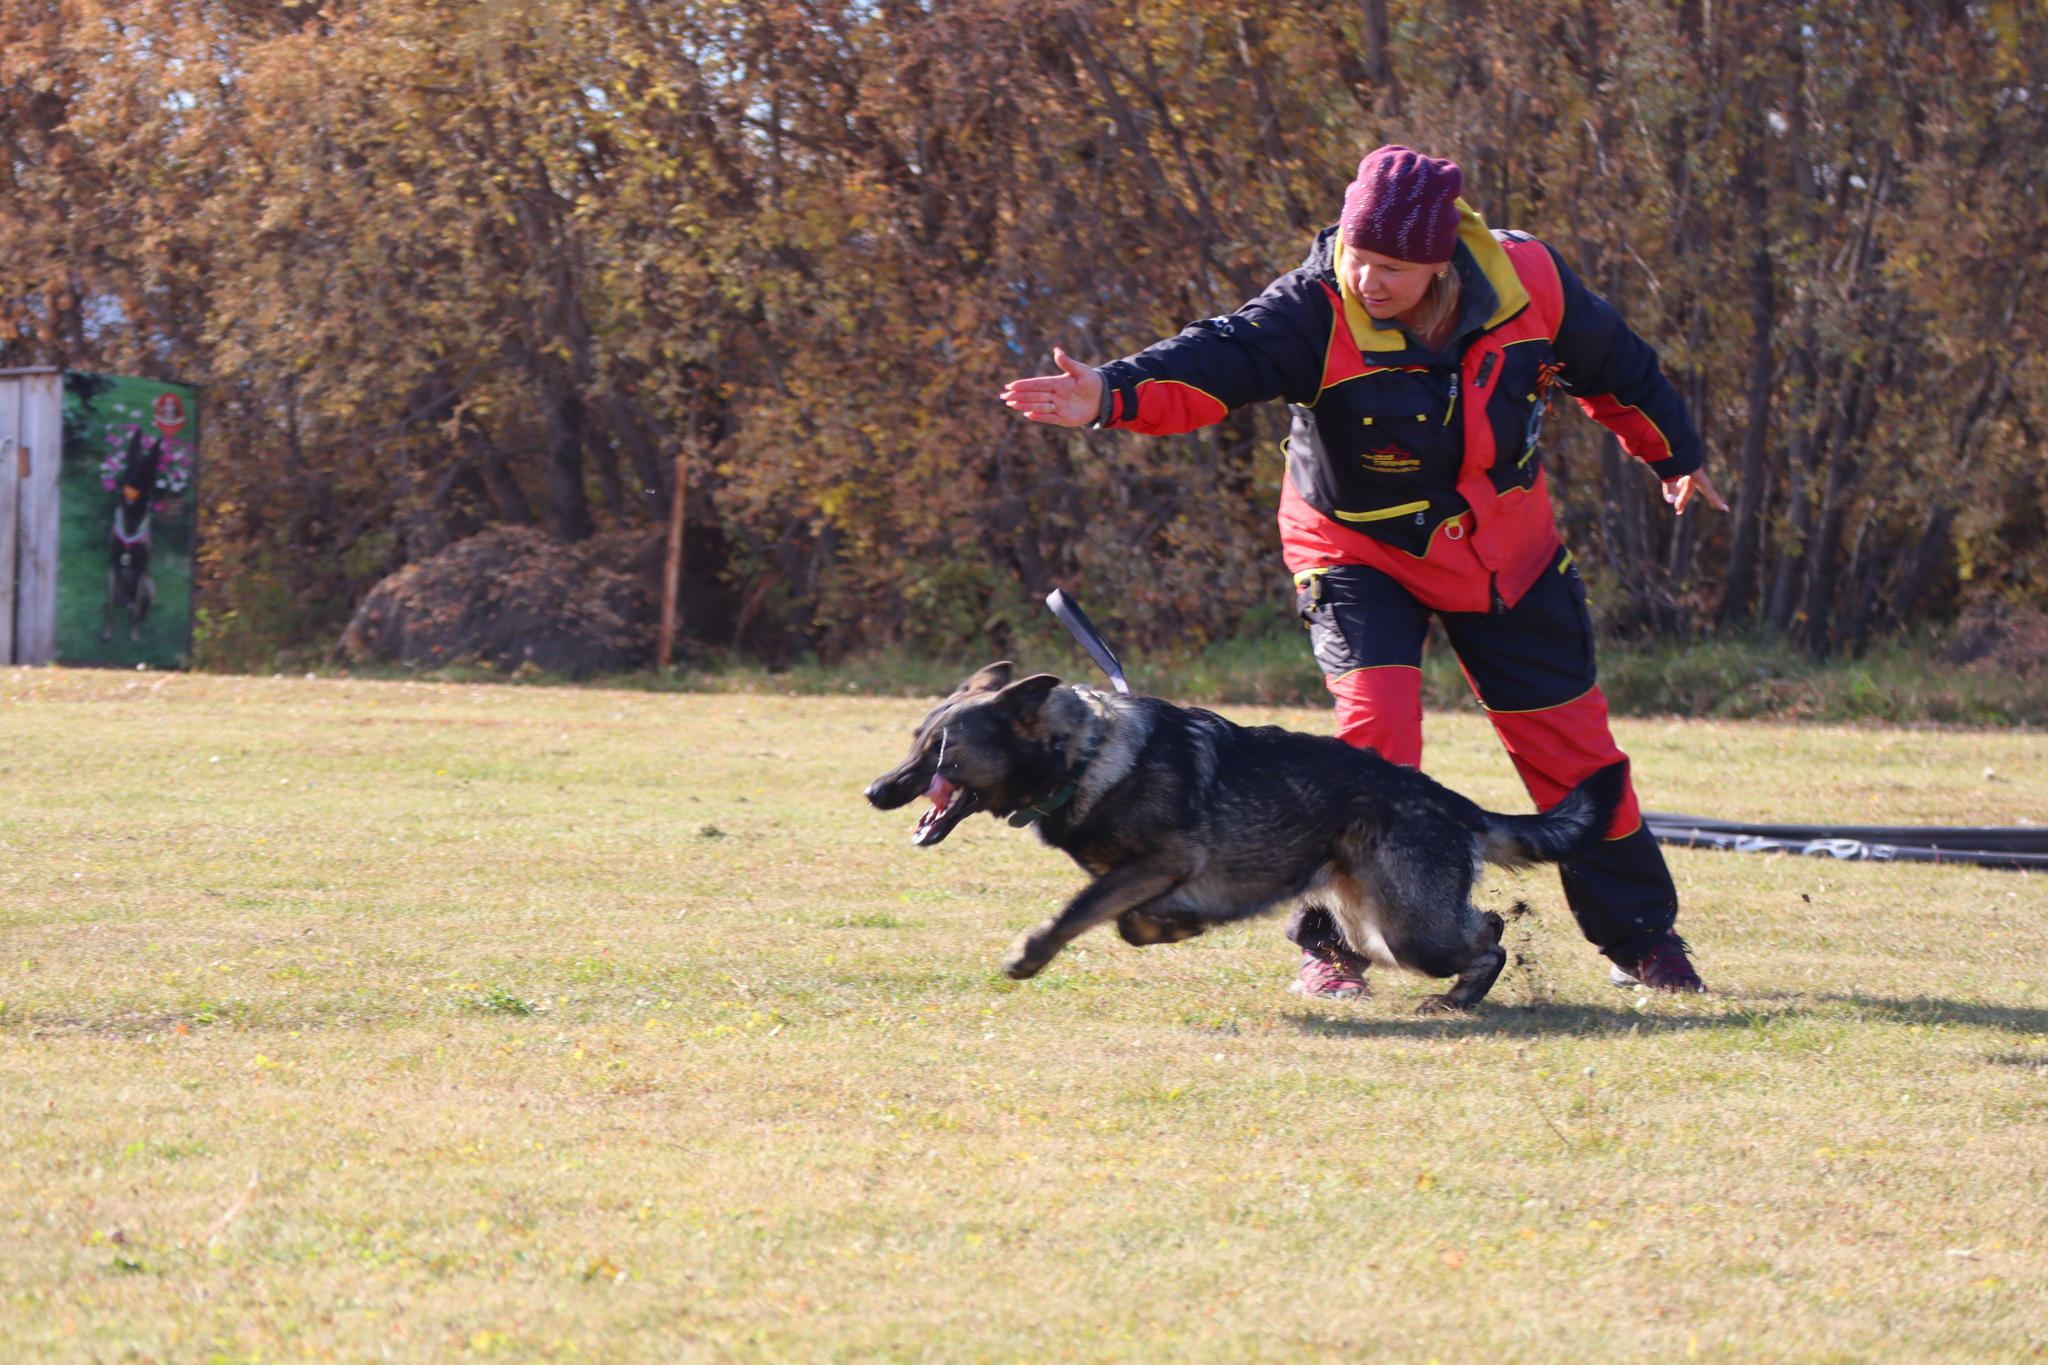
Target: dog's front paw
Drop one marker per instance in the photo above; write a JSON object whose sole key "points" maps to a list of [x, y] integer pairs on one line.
{"points": [[1027, 957], [1440, 1004]]}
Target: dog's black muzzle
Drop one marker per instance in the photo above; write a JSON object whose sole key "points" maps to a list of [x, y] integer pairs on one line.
{"points": [[898, 788]]}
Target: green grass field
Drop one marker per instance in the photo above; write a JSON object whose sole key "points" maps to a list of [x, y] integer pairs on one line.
{"points": [[369, 1021]]}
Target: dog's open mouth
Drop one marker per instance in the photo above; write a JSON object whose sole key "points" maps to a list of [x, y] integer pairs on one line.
{"points": [[950, 805]]}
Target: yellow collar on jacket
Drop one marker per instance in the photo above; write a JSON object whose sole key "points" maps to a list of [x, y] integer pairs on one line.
{"points": [[1486, 250]]}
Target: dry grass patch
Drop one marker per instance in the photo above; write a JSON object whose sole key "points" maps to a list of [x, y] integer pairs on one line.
{"points": [[358, 1021]]}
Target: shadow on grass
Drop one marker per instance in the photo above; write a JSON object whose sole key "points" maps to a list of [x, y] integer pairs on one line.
{"points": [[1544, 1020], [1926, 1010], [1513, 1021]]}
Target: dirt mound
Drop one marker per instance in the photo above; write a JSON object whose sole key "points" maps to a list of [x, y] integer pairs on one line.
{"points": [[1995, 637], [512, 596]]}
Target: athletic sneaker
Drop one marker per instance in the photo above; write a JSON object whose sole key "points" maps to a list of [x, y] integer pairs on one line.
{"points": [[1664, 968], [1334, 975]]}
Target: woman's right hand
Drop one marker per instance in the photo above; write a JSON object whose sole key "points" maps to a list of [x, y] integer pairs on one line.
{"points": [[1678, 492], [1071, 398]]}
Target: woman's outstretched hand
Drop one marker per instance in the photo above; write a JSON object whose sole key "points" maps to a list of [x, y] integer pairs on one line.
{"points": [[1678, 492], [1071, 398]]}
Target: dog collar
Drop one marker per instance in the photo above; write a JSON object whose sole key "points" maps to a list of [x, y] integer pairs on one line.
{"points": [[1033, 814]]}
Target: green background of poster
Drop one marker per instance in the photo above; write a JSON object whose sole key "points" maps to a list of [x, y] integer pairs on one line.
{"points": [[97, 407]]}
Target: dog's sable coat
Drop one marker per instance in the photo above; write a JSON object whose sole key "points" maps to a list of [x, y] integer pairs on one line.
{"points": [[1186, 820]]}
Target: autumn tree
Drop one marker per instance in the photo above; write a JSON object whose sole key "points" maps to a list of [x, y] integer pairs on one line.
{"points": [[445, 265]]}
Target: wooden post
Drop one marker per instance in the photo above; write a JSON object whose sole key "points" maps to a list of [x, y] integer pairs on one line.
{"points": [[672, 573]]}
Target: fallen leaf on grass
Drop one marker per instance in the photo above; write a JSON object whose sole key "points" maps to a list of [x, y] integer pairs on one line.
{"points": [[233, 1210]]}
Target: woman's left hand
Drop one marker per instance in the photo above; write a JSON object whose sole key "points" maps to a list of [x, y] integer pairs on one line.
{"points": [[1678, 492]]}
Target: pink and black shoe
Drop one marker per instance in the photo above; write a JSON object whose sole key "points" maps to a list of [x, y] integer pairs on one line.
{"points": [[1333, 974], [1663, 968]]}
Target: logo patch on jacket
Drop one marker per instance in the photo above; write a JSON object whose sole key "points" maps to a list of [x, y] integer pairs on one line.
{"points": [[1391, 460]]}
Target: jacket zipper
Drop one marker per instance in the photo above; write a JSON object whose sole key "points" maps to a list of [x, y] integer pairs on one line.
{"points": [[1454, 400]]}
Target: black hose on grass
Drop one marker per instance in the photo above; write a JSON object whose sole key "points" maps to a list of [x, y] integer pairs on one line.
{"points": [[2023, 846]]}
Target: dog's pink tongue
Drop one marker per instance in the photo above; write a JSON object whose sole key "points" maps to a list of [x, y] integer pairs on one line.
{"points": [[939, 790]]}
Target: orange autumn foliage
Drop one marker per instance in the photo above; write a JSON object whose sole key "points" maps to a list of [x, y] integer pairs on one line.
{"points": [[443, 266]]}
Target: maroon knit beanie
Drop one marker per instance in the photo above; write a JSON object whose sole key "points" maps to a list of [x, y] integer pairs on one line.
{"points": [[1404, 205]]}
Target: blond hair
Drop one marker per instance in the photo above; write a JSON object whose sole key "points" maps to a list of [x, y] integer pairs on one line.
{"points": [[1432, 318]]}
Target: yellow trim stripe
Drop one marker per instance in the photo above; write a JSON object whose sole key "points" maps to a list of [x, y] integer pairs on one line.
{"points": [[1533, 710], [1136, 392], [1630, 407], [1385, 512], [1329, 678]]}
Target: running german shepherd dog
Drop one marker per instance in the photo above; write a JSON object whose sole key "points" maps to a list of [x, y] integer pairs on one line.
{"points": [[1186, 820]]}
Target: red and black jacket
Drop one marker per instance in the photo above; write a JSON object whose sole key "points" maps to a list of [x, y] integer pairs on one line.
{"points": [[1406, 445]]}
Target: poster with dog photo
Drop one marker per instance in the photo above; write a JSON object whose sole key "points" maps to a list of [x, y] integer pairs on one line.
{"points": [[127, 498]]}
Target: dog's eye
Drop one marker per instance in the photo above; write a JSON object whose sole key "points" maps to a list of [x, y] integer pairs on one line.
{"points": [[1058, 745]]}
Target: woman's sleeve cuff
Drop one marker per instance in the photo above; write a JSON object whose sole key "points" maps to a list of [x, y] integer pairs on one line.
{"points": [[1676, 466]]}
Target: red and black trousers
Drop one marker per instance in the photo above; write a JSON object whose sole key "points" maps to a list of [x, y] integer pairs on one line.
{"points": [[1531, 666]]}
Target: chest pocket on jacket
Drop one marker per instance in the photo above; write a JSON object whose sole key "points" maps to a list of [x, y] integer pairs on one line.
{"points": [[1393, 425]]}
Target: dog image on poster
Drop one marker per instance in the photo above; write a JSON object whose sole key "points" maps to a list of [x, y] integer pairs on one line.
{"points": [[128, 582]]}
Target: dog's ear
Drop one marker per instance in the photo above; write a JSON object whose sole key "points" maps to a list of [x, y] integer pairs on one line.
{"points": [[1020, 700], [994, 678]]}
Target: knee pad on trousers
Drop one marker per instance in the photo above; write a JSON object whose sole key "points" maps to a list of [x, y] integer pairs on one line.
{"points": [[1381, 707], [1558, 747]]}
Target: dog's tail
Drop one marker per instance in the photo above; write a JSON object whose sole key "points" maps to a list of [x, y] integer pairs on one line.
{"points": [[1568, 829]]}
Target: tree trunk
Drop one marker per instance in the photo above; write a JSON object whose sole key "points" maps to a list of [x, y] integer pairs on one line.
{"points": [[1824, 568], [1805, 449], [568, 504], [648, 472], [1379, 56], [1863, 577], [605, 456], [1746, 553], [511, 505], [1930, 552]]}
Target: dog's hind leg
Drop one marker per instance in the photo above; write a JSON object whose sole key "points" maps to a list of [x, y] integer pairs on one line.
{"points": [[1478, 975], [1421, 874], [1359, 915], [1121, 889]]}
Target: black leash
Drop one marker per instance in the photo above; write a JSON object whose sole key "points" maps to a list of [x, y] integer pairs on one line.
{"points": [[1081, 628], [1077, 623]]}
